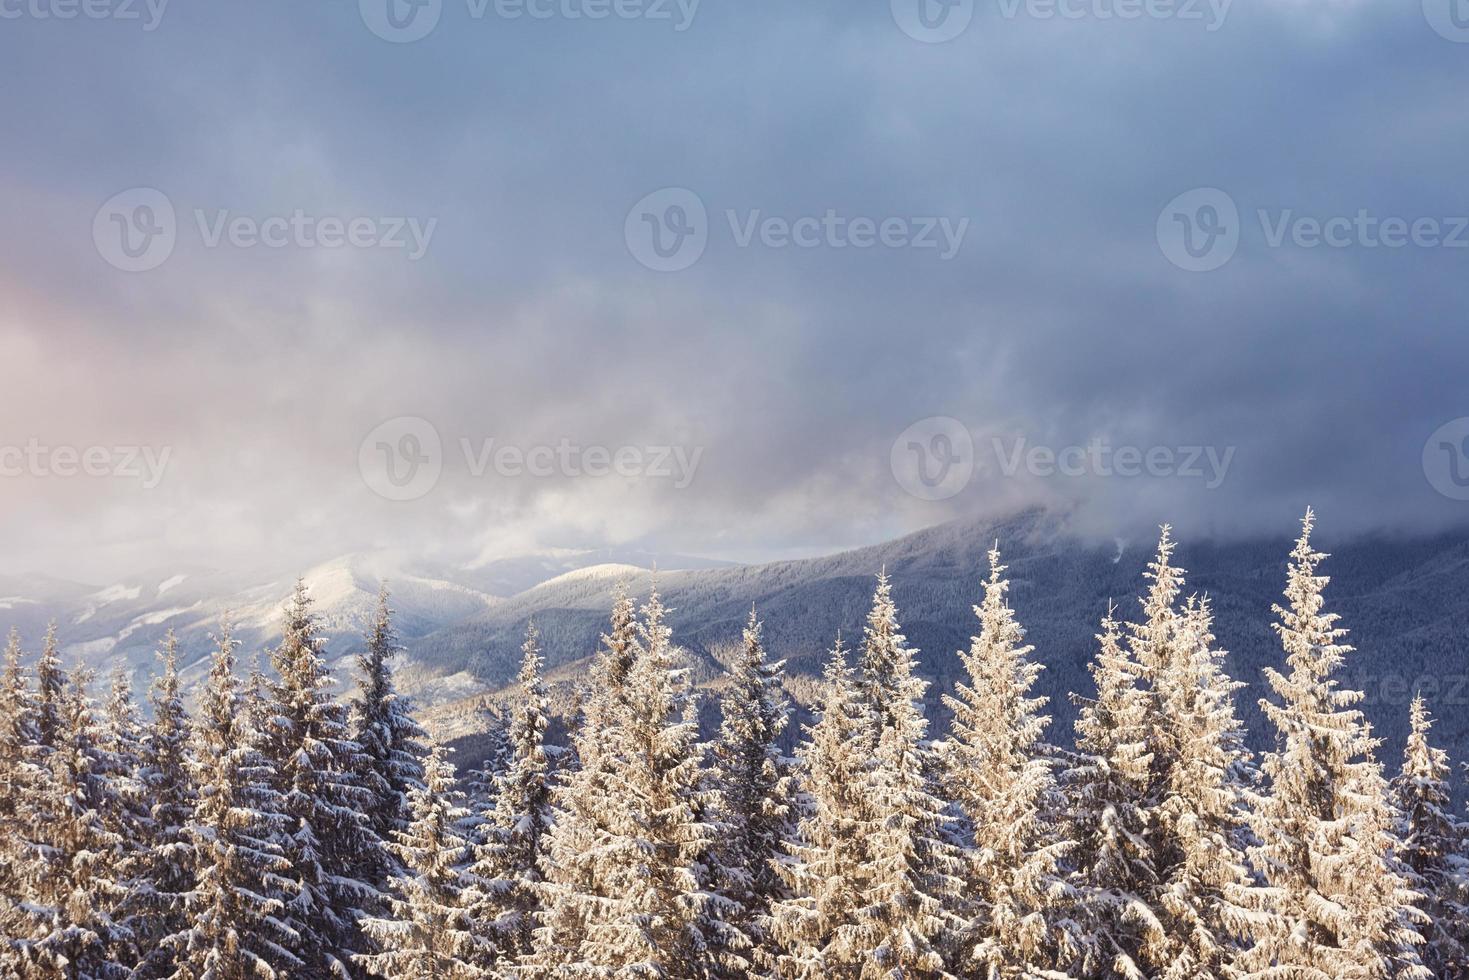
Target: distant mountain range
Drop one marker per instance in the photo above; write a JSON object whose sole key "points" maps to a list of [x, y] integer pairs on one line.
{"points": [[1406, 601], [123, 624]]}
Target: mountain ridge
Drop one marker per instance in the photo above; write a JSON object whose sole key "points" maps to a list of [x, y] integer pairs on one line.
{"points": [[1406, 599]]}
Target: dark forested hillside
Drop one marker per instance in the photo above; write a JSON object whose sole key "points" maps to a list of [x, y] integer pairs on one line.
{"points": [[1406, 602]]}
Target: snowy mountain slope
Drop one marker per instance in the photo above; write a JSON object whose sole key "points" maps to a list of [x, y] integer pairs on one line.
{"points": [[122, 624], [514, 574], [1405, 600]]}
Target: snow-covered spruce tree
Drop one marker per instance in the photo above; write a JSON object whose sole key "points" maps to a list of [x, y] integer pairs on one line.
{"points": [[120, 744], [166, 775], [1202, 815], [1183, 909], [480, 785], [825, 870], [1157, 648], [40, 808], [34, 909], [652, 914], [18, 735], [428, 936], [508, 875], [234, 927], [328, 838], [1106, 791], [906, 923], [1334, 905], [123, 737], [18, 738], [882, 652], [50, 693], [605, 703], [755, 783], [392, 743], [582, 798], [22, 780], [255, 702], [1434, 848], [76, 889], [1018, 901]]}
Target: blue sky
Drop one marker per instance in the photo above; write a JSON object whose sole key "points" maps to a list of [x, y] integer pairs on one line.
{"points": [[872, 230]]}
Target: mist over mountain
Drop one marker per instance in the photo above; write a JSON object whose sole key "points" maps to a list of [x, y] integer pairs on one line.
{"points": [[1404, 599], [121, 625]]}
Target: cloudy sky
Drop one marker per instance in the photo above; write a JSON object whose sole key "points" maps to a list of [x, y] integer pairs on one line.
{"points": [[745, 279]]}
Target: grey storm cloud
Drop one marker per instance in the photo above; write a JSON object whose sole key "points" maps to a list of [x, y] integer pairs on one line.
{"points": [[823, 144]]}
